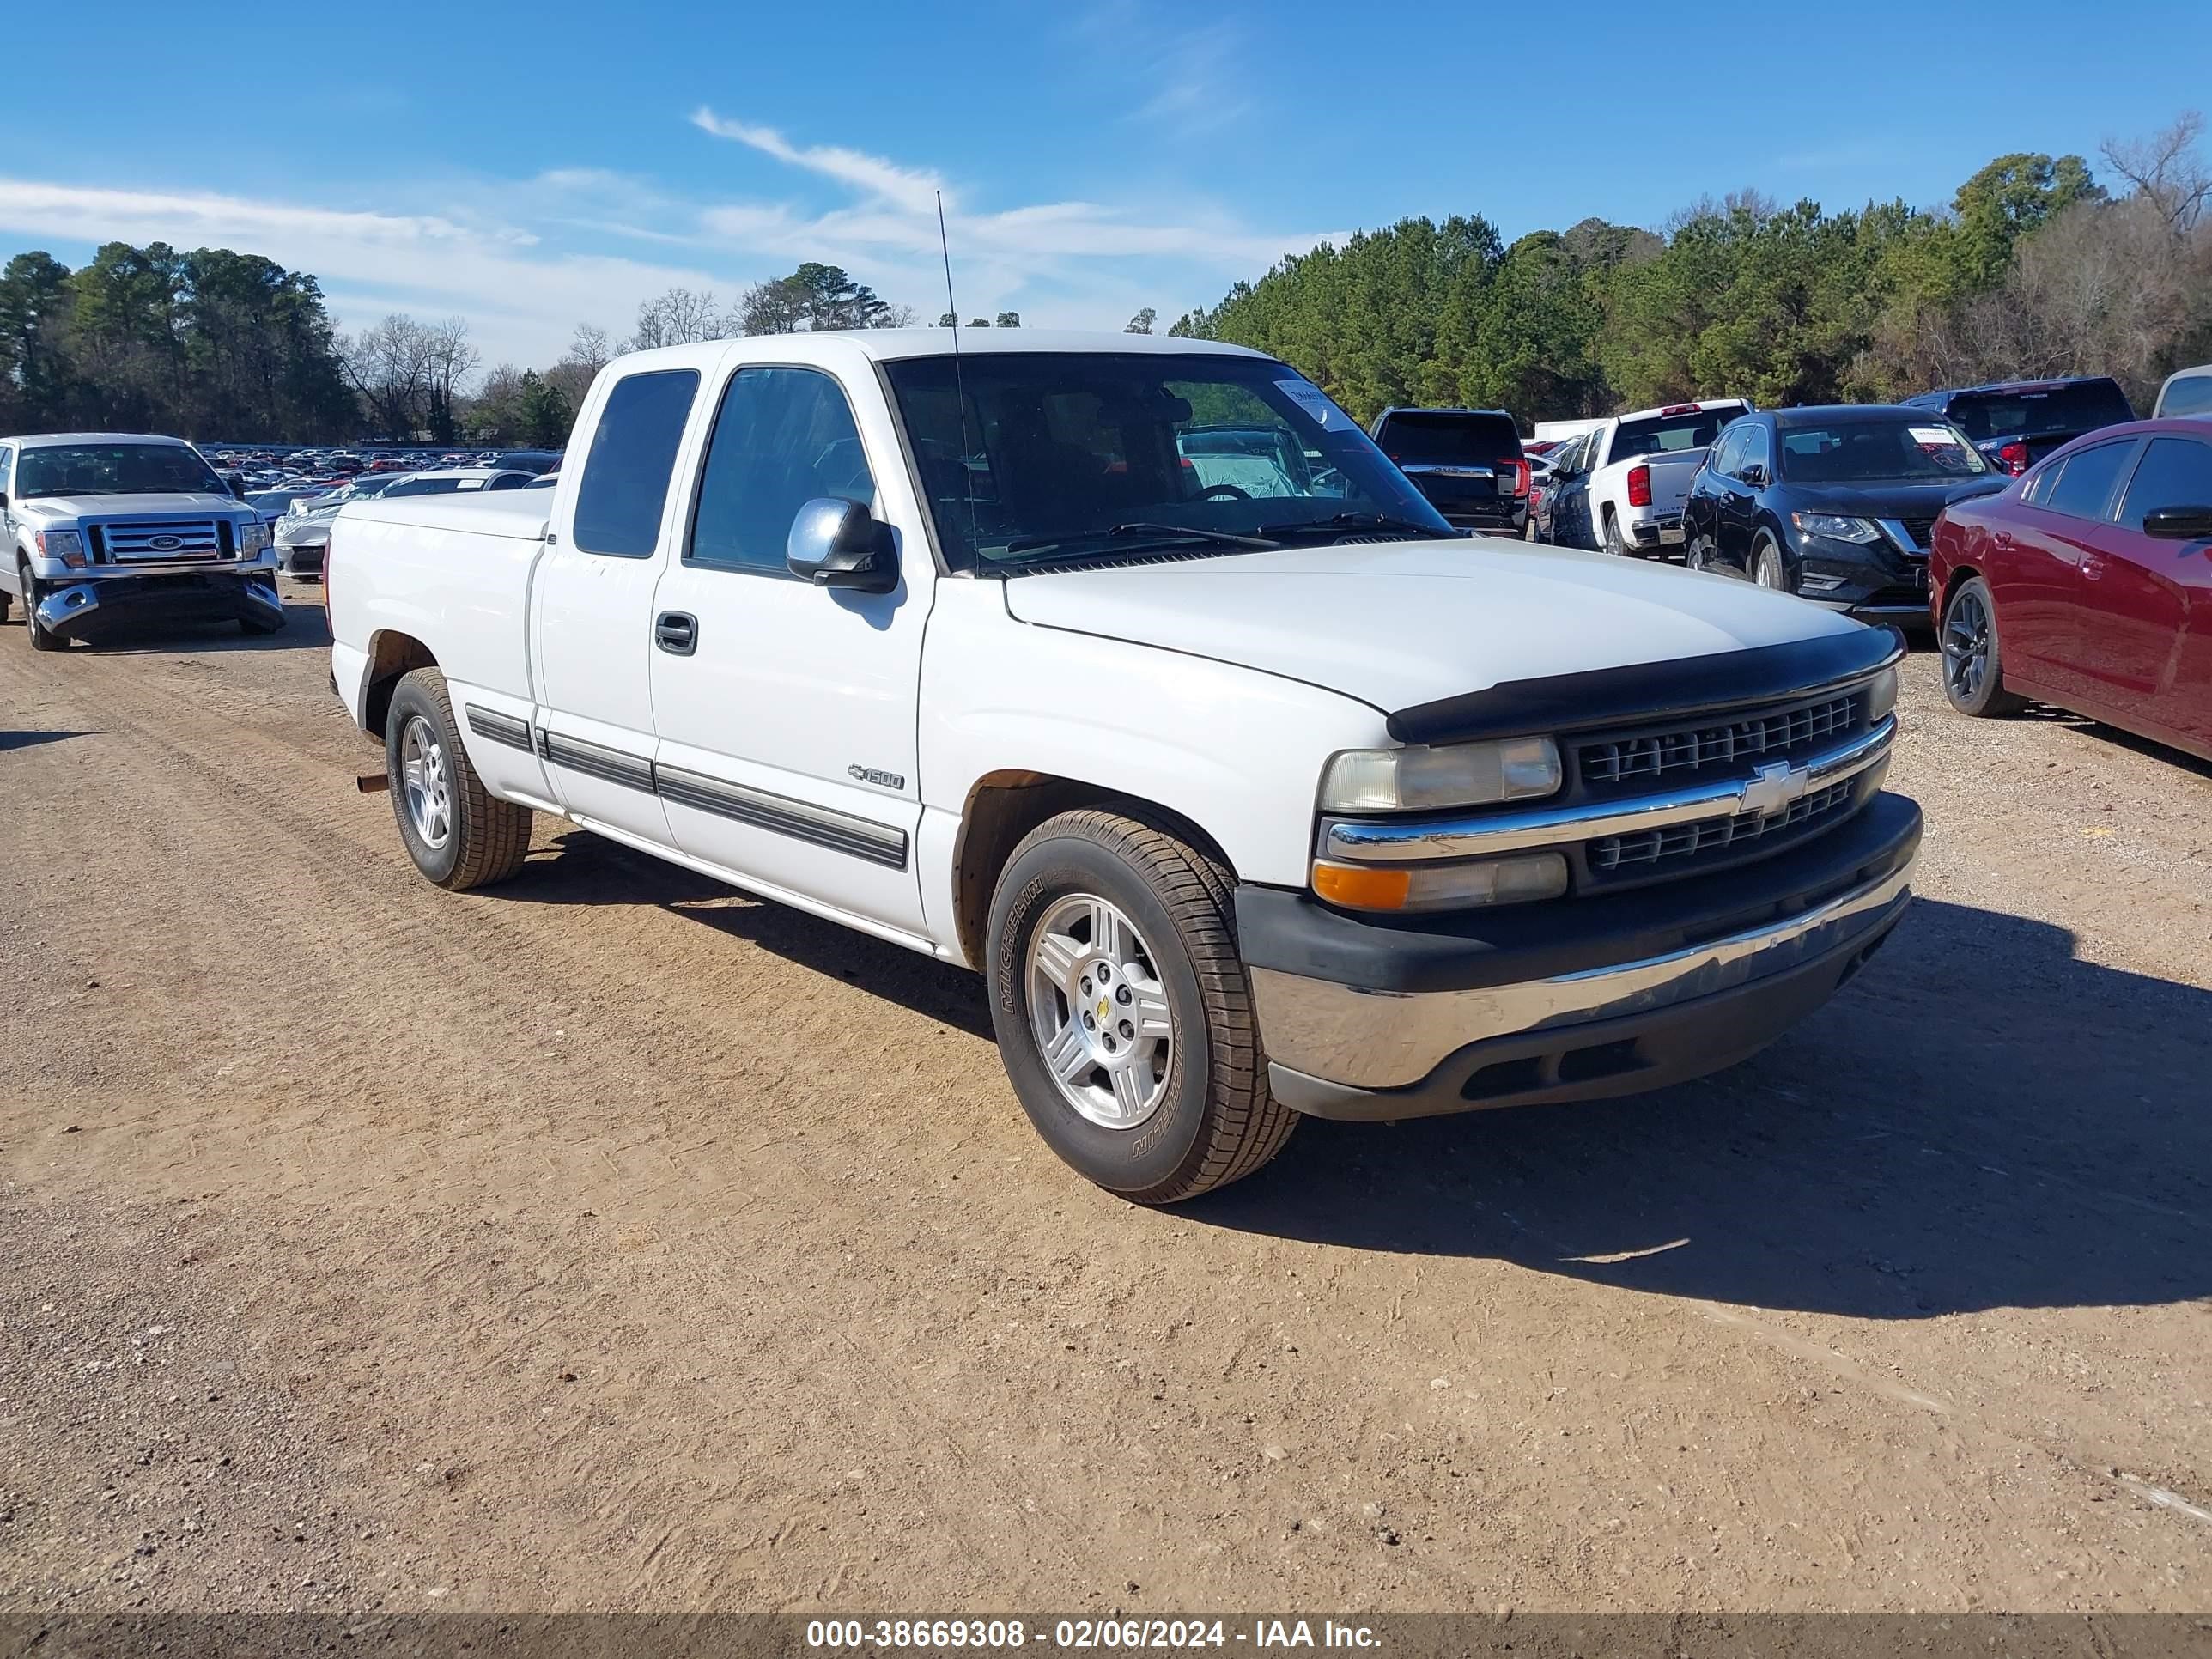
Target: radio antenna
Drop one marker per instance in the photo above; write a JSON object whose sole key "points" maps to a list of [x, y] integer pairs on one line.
{"points": [[959, 383]]}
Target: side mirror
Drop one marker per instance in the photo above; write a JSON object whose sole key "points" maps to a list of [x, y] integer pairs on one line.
{"points": [[1756, 476], [2178, 524], [835, 543], [3, 500], [238, 489]]}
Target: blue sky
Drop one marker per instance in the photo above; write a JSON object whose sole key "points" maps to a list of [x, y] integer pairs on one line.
{"points": [[532, 167]]}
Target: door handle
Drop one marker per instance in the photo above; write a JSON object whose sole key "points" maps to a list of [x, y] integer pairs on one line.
{"points": [[676, 633]]}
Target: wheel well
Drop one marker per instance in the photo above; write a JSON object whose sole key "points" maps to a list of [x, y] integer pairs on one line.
{"points": [[1958, 575], [1005, 807], [392, 657]]}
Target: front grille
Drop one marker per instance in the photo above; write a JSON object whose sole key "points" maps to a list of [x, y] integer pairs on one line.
{"points": [[1920, 529], [152, 541], [1610, 853], [1610, 762]]}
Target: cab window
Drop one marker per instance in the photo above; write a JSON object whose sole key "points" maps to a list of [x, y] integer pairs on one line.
{"points": [[625, 489], [2174, 472]]}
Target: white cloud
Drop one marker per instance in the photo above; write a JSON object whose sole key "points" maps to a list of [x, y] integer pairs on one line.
{"points": [[526, 260], [910, 188]]}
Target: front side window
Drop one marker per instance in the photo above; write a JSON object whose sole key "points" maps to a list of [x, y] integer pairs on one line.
{"points": [[784, 437], [625, 489], [2084, 489], [2174, 472], [7, 471], [1727, 455], [1052, 458], [116, 469]]}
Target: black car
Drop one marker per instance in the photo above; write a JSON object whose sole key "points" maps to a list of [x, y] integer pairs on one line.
{"points": [[2015, 423], [1835, 505], [527, 460], [1467, 461]]}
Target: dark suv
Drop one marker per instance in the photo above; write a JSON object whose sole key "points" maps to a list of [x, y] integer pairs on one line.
{"points": [[1467, 461], [2015, 423]]}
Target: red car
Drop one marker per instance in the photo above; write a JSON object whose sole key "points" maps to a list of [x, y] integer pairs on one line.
{"points": [[2088, 583]]}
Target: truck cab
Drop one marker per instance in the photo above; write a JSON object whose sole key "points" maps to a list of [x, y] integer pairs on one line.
{"points": [[1129, 673]]}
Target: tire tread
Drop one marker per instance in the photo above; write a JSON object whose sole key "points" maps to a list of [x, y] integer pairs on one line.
{"points": [[494, 833]]}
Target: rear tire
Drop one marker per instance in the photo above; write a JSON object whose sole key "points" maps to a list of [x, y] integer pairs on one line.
{"points": [[42, 638], [1613, 544], [459, 834], [1096, 889], [1973, 661]]}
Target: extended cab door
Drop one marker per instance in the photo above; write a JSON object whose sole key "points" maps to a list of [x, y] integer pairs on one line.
{"points": [[591, 604], [786, 712]]}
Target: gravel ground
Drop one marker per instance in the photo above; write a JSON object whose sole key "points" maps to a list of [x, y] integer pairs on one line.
{"points": [[613, 1241]]}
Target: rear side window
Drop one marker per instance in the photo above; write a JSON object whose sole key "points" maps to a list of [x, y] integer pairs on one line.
{"points": [[1439, 439], [2175, 473], [625, 483], [2187, 394], [784, 437], [2084, 489]]}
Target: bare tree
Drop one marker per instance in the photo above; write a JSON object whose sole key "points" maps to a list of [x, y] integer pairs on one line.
{"points": [[390, 365], [589, 349], [452, 360], [894, 317], [2167, 169], [683, 316]]}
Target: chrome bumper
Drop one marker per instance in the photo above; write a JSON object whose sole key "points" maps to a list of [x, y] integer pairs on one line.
{"points": [[66, 610], [1375, 1040]]}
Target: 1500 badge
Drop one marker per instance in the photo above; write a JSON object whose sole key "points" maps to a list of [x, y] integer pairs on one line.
{"points": [[869, 774]]}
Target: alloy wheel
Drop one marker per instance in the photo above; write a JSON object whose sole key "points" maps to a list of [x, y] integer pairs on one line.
{"points": [[1966, 645], [1099, 1011], [423, 774]]}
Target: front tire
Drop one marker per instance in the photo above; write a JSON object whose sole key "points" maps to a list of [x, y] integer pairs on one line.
{"points": [[1767, 569], [458, 832], [1973, 661], [1122, 1009], [42, 638]]}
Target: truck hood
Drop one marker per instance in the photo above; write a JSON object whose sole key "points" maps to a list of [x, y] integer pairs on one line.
{"points": [[1403, 623], [159, 505]]}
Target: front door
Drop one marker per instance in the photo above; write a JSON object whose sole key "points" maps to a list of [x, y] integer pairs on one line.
{"points": [[591, 607], [2152, 621], [786, 712]]}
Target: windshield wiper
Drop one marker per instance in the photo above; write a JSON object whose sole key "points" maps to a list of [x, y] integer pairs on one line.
{"points": [[1160, 533], [1342, 523]]}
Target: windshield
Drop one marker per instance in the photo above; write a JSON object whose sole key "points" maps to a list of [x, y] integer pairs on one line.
{"points": [[1442, 439], [114, 470], [2036, 412], [1868, 452], [1660, 434], [1086, 456]]}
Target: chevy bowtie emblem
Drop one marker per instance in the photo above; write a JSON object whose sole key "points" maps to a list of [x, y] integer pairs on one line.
{"points": [[1773, 786]]}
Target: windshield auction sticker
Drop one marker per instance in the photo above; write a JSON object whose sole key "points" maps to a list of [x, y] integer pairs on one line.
{"points": [[1312, 400]]}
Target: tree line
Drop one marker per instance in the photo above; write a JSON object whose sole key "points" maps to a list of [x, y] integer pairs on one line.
{"points": [[2035, 269]]}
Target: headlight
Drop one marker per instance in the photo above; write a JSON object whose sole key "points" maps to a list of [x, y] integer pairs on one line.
{"points": [[253, 538], [1417, 779], [1881, 695], [1441, 886], [1835, 528], [67, 545]]}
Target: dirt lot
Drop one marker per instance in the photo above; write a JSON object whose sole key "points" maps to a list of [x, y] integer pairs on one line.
{"points": [[614, 1241]]}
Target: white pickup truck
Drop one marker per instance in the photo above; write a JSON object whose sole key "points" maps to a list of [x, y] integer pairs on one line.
{"points": [[1620, 487], [1250, 798]]}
